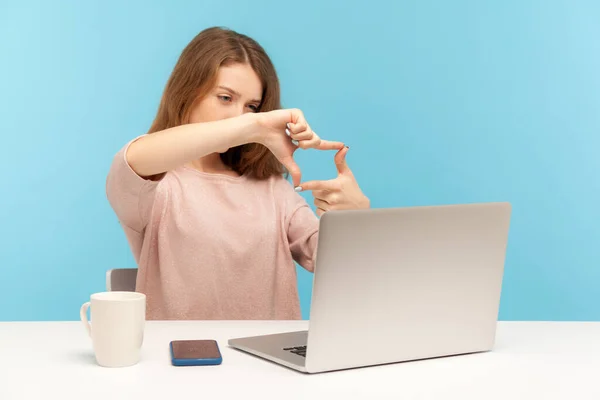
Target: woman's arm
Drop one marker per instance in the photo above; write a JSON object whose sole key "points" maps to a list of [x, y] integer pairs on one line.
{"points": [[303, 235], [168, 149]]}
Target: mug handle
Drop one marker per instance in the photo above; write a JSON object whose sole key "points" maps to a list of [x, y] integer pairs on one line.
{"points": [[83, 316]]}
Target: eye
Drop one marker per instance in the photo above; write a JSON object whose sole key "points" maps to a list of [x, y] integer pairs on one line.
{"points": [[253, 107], [225, 98]]}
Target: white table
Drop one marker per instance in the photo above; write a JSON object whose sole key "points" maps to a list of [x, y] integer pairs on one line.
{"points": [[531, 360]]}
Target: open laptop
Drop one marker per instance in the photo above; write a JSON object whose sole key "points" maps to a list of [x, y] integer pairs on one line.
{"points": [[398, 284]]}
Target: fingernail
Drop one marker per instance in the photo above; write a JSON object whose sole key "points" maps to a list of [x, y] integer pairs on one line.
{"points": [[287, 132], [298, 188], [288, 125], [295, 142]]}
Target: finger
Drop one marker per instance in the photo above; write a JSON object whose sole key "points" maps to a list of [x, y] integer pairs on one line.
{"points": [[321, 204], [320, 212], [297, 116], [320, 194], [340, 161], [305, 135], [328, 145], [309, 144], [299, 127], [332, 198], [327, 199], [293, 169], [318, 185]]}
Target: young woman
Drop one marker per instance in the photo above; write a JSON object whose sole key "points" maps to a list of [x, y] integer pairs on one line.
{"points": [[213, 224]]}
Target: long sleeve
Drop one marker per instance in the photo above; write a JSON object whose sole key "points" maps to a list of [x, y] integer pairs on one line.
{"points": [[303, 234], [130, 195]]}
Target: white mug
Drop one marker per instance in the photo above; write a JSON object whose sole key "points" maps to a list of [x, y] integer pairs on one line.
{"points": [[117, 327]]}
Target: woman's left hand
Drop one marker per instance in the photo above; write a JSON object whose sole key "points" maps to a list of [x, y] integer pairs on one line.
{"points": [[341, 193]]}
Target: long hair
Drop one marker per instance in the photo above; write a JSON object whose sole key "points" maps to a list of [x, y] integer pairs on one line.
{"points": [[195, 75]]}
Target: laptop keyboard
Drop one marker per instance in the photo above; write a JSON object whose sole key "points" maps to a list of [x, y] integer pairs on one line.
{"points": [[299, 350]]}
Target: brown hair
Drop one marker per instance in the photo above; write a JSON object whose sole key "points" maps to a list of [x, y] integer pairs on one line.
{"points": [[195, 74]]}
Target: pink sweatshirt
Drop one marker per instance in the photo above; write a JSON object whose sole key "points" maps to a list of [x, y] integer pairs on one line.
{"points": [[212, 246]]}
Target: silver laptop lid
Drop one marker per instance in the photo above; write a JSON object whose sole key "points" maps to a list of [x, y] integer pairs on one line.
{"points": [[406, 283]]}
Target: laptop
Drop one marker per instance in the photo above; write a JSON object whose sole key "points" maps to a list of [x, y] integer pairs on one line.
{"points": [[398, 284]]}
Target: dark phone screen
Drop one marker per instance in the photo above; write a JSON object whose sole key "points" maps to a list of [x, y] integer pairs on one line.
{"points": [[195, 349]]}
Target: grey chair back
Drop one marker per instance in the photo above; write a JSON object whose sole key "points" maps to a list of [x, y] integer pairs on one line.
{"points": [[121, 279]]}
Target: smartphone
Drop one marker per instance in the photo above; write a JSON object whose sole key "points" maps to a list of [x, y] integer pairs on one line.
{"points": [[195, 352]]}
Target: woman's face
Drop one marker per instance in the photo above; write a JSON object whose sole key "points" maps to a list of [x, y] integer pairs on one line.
{"points": [[238, 90]]}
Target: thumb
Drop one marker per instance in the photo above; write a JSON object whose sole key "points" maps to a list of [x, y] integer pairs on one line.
{"points": [[340, 161], [293, 169]]}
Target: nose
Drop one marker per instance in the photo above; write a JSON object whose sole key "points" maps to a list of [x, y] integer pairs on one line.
{"points": [[237, 110]]}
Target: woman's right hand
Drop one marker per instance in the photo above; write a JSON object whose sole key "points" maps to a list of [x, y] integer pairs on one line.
{"points": [[283, 131]]}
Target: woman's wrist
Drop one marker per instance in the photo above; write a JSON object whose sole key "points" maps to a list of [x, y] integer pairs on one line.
{"points": [[251, 129]]}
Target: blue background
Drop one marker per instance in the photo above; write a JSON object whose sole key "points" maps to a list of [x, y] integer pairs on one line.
{"points": [[441, 102]]}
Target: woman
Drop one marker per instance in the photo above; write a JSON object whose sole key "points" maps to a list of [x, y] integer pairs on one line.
{"points": [[213, 224]]}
